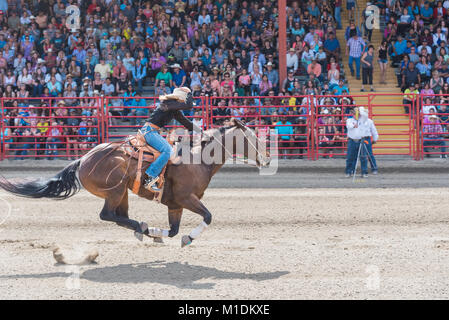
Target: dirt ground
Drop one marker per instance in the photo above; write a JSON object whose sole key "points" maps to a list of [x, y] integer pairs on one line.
{"points": [[262, 244]]}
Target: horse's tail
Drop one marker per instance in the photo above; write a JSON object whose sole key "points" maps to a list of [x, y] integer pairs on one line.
{"points": [[62, 186]]}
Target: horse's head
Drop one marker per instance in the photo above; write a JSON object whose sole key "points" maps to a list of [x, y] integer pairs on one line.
{"points": [[249, 145]]}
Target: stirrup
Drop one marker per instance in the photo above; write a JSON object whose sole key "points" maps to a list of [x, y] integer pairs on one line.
{"points": [[150, 182]]}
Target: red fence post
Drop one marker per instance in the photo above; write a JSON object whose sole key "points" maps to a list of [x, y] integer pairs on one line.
{"points": [[2, 142], [420, 138], [312, 152], [411, 126], [103, 114]]}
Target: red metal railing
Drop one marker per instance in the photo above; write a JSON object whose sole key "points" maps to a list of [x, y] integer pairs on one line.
{"points": [[330, 122], [289, 117], [50, 127], [125, 115], [308, 131], [433, 121], [397, 129]]}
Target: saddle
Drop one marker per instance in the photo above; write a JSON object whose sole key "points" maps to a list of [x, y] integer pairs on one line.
{"points": [[137, 148]]}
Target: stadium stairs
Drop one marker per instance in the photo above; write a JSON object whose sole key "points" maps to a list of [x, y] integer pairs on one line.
{"points": [[393, 130]]}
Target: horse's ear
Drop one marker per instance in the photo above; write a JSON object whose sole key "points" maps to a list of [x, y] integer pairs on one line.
{"points": [[238, 123]]}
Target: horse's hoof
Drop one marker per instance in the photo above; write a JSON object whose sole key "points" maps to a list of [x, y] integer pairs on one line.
{"points": [[158, 240], [185, 241], [138, 235]]}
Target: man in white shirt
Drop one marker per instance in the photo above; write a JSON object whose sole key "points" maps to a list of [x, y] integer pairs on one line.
{"points": [[104, 69], [426, 46], [371, 135], [357, 130], [292, 60]]}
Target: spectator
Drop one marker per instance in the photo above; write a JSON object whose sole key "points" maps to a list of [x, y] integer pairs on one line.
{"points": [[383, 61], [367, 68], [139, 72], [315, 68], [164, 75], [292, 60], [179, 76], [332, 46], [284, 130], [354, 51], [410, 75], [432, 134], [54, 134], [409, 96]]}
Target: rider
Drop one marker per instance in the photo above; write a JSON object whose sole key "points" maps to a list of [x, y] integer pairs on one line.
{"points": [[169, 109]]}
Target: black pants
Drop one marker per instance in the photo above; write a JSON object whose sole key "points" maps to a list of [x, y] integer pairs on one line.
{"points": [[367, 76]]}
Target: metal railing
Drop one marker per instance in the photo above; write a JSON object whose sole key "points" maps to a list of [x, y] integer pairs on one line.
{"points": [[69, 127]]}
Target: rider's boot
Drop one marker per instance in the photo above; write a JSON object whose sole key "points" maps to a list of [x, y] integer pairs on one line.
{"points": [[151, 182]]}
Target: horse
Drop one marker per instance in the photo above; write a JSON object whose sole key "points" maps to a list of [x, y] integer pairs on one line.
{"points": [[108, 172]]}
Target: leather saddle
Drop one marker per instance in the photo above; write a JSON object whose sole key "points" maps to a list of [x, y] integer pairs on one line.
{"points": [[137, 144], [137, 148]]}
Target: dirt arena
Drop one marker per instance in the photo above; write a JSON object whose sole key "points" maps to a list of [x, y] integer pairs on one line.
{"points": [[296, 243]]}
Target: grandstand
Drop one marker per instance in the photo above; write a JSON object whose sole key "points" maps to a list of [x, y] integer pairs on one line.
{"points": [[122, 50]]}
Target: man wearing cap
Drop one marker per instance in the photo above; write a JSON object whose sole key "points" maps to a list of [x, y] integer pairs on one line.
{"points": [[179, 76], [432, 137], [288, 84], [341, 88], [371, 135], [332, 47], [177, 52], [273, 75], [410, 75], [424, 45], [410, 94], [292, 60], [356, 126], [170, 108]]}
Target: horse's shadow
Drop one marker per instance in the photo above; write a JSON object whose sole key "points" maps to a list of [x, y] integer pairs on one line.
{"points": [[181, 275]]}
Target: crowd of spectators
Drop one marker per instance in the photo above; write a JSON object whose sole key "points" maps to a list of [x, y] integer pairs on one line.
{"points": [[416, 41], [223, 48]]}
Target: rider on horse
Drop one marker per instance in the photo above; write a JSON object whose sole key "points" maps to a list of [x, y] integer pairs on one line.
{"points": [[169, 109]]}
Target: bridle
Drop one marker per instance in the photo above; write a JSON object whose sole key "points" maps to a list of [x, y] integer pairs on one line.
{"points": [[258, 153]]}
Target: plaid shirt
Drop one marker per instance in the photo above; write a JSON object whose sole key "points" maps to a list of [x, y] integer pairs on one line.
{"points": [[355, 47], [432, 130]]}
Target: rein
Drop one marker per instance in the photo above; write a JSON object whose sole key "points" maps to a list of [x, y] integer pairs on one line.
{"points": [[232, 156]]}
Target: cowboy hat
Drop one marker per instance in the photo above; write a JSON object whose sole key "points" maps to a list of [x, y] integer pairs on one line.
{"points": [[179, 94], [176, 65]]}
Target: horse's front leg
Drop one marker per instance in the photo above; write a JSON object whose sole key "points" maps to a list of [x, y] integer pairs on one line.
{"points": [[194, 204], [174, 219]]}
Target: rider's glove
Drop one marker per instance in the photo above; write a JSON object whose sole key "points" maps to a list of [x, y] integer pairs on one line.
{"points": [[189, 99]]}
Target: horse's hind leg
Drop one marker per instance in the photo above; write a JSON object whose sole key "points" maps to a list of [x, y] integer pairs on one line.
{"points": [[115, 209]]}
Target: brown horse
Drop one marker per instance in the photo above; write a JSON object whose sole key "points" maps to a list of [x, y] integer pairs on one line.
{"points": [[107, 172]]}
